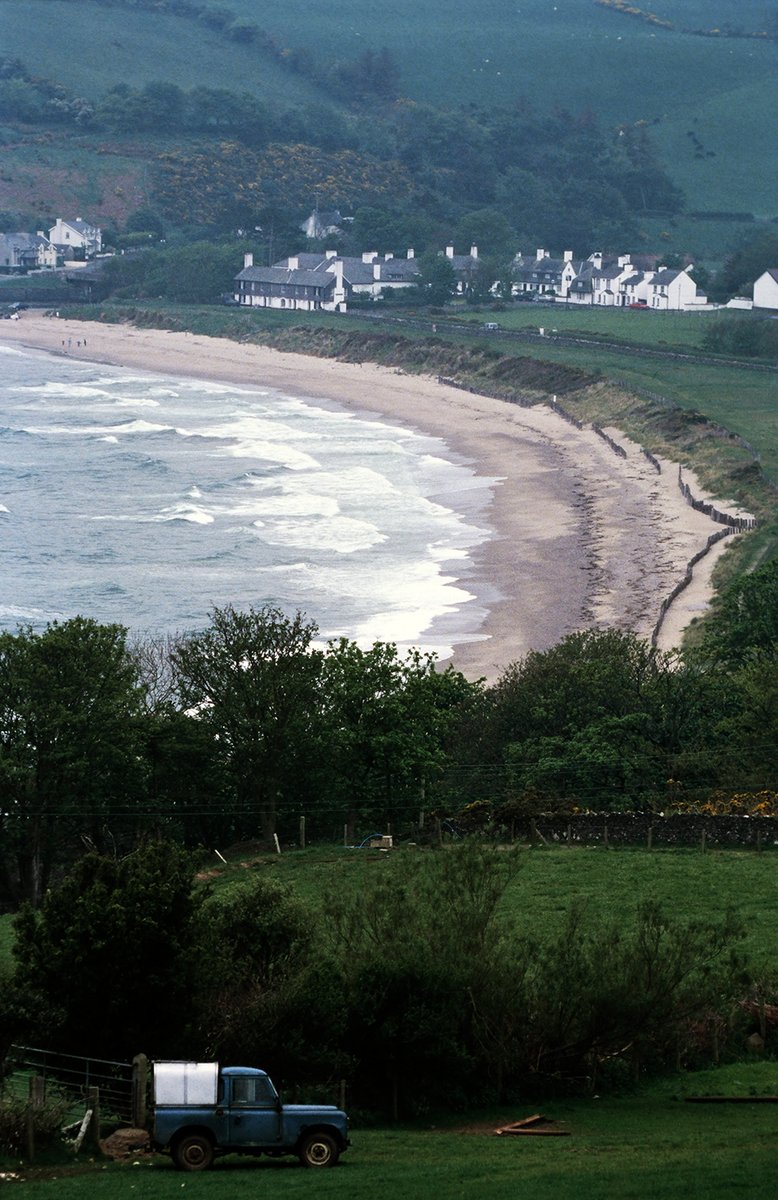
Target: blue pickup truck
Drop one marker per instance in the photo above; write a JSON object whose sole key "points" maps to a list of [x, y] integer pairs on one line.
{"points": [[202, 1111]]}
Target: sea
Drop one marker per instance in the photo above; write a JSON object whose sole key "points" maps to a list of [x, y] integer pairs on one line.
{"points": [[149, 500]]}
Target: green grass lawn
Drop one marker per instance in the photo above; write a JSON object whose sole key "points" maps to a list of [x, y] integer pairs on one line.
{"points": [[652, 1146]]}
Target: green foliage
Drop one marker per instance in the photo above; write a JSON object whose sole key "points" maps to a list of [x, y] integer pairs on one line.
{"points": [[743, 336], [69, 713], [253, 677], [106, 964], [744, 624], [750, 260], [18, 1115], [264, 992], [437, 279]]}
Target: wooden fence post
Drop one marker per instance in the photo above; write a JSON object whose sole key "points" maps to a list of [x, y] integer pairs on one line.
{"points": [[93, 1102], [37, 1097], [650, 838], [140, 1077], [302, 833], [605, 836]]}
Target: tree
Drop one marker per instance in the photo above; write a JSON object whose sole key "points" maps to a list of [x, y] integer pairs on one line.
{"points": [[437, 282], [70, 707], [105, 967], [264, 990], [386, 722], [748, 261], [252, 678]]}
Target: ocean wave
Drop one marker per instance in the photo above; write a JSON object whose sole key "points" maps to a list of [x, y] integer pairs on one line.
{"points": [[343, 535]]}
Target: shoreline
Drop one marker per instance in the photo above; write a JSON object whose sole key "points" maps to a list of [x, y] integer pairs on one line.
{"points": [[578, 536]]}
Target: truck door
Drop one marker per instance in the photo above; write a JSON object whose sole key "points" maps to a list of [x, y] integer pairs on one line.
{"points": [[255, 1119]]}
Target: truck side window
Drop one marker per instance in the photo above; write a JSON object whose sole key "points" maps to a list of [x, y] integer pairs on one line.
{"points": [[256, 1090]]}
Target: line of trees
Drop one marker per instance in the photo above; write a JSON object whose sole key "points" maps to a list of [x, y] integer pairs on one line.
{"points": [[237, 731]]}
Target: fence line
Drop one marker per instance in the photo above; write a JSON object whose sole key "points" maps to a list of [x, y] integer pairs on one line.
{"points": [[740, 524], [75, 1075]]}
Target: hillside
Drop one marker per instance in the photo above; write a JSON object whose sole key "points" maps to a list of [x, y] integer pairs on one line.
{"points": [[561, 54], [703, 98]]}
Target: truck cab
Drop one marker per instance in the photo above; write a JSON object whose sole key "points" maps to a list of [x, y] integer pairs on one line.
{"points": [[202, 1111]]}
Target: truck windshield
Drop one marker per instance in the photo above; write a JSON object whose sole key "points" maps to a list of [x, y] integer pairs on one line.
{"points": [[253, 1089]]}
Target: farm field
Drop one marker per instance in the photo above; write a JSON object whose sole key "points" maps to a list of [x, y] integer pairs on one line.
{"points": [[548, 882], [651, 1144]]}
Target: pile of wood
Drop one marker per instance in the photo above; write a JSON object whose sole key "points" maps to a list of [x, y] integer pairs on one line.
{"points": [[535, 1126]]}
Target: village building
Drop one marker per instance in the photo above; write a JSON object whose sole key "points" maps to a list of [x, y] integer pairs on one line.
{"points": [[76, 238], [766, 289], [290, 287], [544, 275], [26, 252]]}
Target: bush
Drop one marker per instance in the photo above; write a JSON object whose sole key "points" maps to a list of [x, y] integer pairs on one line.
{"points": [[15, 1112]]}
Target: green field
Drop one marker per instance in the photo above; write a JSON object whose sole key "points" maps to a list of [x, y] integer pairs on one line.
{"points": [[550, 881], [654, 1145]]}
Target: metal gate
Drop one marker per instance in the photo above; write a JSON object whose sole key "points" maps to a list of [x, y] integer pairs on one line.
{"points": [[73, 1074]]}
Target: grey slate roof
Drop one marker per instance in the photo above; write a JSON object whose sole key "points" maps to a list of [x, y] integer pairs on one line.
{"points": [[662, 278], [300, 277]]}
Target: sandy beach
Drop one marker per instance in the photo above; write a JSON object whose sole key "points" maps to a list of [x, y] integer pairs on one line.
{"points": [[580, 536]]}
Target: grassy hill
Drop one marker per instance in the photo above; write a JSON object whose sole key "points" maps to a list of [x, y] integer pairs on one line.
{"points": [[581, 55], [704, 99]]}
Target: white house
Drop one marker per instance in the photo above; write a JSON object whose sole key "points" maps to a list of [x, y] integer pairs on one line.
{"points": [[76, 236], [292, 287], [369, 275], [543, 274], [766, 289], [674, 290]]}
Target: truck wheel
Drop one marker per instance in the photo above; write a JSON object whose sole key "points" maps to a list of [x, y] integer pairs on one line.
{"points": [[193, 1153], [318, 1150]]}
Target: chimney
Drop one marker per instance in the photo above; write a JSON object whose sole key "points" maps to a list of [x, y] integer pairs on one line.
{"points": [[330, 254], [539, 253], [411, 254], [449, 251], [596, 259], [248, 261], [293, 264], [474, 252], [624, 260], [388, 257], [368, 256], [376, 271], [568, 256]]}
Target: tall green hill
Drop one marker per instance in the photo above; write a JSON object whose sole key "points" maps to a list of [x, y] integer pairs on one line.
{"points": [[701, 74]]}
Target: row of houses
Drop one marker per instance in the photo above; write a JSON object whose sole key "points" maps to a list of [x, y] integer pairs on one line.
{"points": [[329, 280], [75, 239]]}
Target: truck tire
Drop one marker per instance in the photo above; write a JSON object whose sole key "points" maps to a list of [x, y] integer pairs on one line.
{"points": [[193, 1152], [318, 1150]]}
